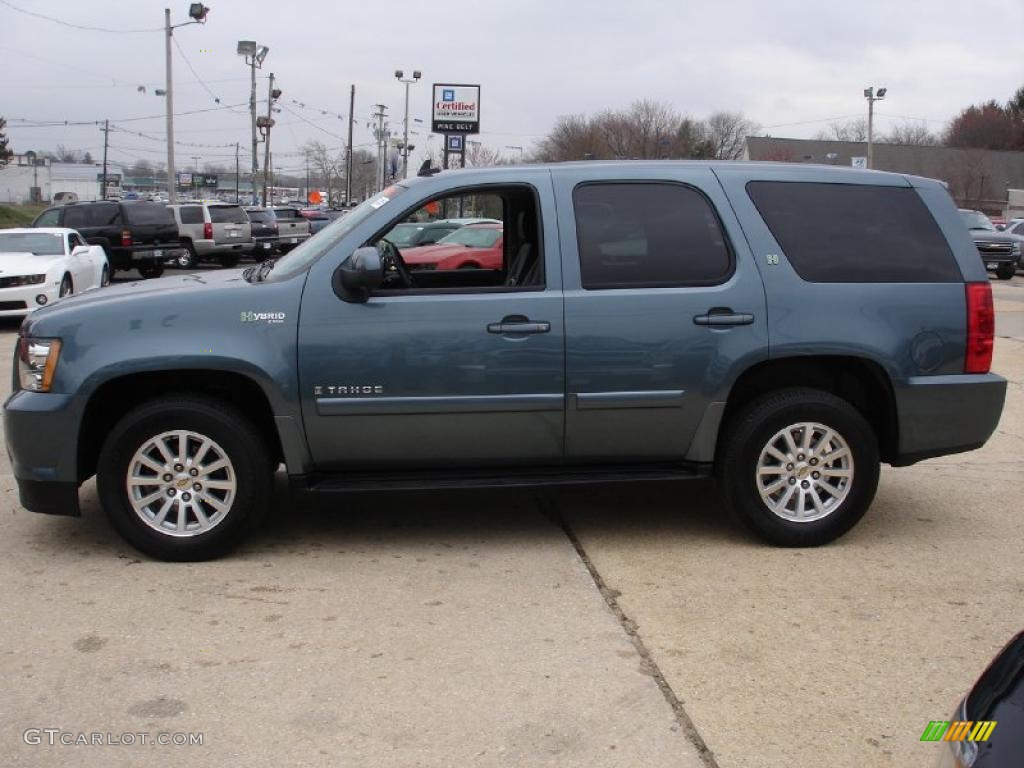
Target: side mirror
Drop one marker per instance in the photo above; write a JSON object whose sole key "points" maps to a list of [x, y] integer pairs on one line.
{"points": [[359, 275], [80, 250]]}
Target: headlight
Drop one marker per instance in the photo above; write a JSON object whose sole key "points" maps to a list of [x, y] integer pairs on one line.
{"points": [[1016, 247], [14, 282], [37, 362]]}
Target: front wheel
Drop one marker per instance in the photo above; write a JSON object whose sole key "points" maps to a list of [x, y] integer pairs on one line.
{"points": [[184, 478], [799, 467], [105, 277], [1006, 271], [66, 287]]}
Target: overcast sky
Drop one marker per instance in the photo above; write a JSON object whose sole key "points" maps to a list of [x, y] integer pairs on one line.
{"points": [[789, 65]]}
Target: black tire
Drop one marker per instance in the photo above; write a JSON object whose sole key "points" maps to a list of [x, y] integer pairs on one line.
{"points": [[240, 442], [230, 260], [1006, 271], [67, 287], [105, 277], [151, 271], [188, 258], [749, 432]]}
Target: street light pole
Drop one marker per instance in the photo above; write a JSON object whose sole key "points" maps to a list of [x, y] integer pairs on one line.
{"points": [[172, 188], [872, 97], [254, 54], [400, 76], [197, 12], [266, 140]]}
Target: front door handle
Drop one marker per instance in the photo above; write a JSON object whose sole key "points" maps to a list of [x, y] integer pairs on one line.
{"points": [[723, 316], [519, 324]]}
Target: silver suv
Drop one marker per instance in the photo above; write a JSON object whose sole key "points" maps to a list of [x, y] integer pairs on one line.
{"points": [[212, 232]]}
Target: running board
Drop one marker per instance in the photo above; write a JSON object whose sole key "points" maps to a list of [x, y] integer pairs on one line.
{"points": [[422, 480]]}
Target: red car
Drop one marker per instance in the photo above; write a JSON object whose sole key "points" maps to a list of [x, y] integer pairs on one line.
{"points": [[474, 246]]}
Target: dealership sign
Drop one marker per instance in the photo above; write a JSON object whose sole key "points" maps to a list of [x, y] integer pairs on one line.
{"points": [[197, 180], [456, 109]]}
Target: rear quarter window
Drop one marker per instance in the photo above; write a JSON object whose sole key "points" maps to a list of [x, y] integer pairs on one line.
{"points": [[148, 213], [191, 214], [855, 233]]}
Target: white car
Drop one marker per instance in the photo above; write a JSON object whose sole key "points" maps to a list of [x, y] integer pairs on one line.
{"points": [[39, 266]]}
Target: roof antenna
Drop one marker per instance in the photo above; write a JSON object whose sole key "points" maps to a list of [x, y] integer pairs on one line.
{"points": [[426, 170]]}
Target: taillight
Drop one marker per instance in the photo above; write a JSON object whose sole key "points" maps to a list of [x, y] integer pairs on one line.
{"points": [[126, 238], [981, 328], [208, 231]]}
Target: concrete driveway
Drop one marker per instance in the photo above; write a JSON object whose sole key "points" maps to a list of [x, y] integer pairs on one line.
{"points": [[631, 626]]}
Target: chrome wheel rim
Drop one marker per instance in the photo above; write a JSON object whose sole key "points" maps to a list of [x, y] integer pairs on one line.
{"points": [[805, 472], [181, 483]]}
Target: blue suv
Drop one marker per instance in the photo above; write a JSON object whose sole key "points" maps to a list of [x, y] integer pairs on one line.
{"points": [[783, 328]]}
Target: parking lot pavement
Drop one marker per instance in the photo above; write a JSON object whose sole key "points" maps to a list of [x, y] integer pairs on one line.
{"points": [[409, 630], [836, 656], [577, 627], [1009, 302]]}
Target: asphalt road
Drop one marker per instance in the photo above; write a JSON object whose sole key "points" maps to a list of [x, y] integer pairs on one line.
{"points": [[590, 627]]}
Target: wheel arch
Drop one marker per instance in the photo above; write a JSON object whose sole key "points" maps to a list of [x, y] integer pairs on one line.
{"points": [[114, 397], [861, 382]]}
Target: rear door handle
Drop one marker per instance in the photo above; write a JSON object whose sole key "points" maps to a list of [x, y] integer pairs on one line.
{"points": [[519, 324], [723, 316]]}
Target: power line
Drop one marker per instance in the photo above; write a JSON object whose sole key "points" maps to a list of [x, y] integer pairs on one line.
{"points": [[310, 122], [78, 26]]}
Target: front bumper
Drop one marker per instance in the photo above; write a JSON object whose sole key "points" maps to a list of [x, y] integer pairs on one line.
{"points": [[41, 431], [19, 301], [940, 415]]}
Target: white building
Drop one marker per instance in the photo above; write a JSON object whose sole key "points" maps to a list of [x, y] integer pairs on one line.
{"points": [[27, 178]]}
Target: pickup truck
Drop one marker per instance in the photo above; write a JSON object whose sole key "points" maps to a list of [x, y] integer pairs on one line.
{"points": [[648, 320], [135, 235], [292, 228]]}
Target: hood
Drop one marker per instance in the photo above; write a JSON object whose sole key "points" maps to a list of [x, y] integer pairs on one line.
{"points": [[13, 263], [432, 254], [146, 293], [986, 236]]}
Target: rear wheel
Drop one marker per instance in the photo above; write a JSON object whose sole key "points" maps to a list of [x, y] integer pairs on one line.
{"points": [[151, 271], [184, 478], [799, 467], [187, 258], [1006, 271]]}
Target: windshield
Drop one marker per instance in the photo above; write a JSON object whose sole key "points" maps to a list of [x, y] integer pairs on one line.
{"points": [[404, 234], [474, 237], [977, 220], [301, 257], [37, 243]]}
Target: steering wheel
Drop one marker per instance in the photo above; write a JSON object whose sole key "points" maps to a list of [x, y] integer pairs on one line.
{"points": [[393, 263]]}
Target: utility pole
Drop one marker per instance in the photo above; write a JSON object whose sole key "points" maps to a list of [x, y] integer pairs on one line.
{"points": [[106, 141], [348, 153], [172, 187], [872, 97], [266, 140], [400, 76], [236, 173], [379, 134]]}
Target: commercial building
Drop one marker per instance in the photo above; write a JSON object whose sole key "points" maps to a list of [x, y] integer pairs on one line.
{"points": [[27, 178]]}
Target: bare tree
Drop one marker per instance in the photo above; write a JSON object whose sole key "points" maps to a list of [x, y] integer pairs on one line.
{"points": [[328, 168], [911, 132], [573, 137], [851, 130], [66, 155], [479, 156], [727, 132]]}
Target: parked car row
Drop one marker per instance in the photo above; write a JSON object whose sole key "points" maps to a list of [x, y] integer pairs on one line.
{"points": [[1001, 251]]}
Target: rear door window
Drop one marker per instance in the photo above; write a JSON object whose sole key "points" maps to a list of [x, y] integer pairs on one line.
{"points": [[855, 233], [191, 214], [651, 235], [227, 214], [148, 213]]}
